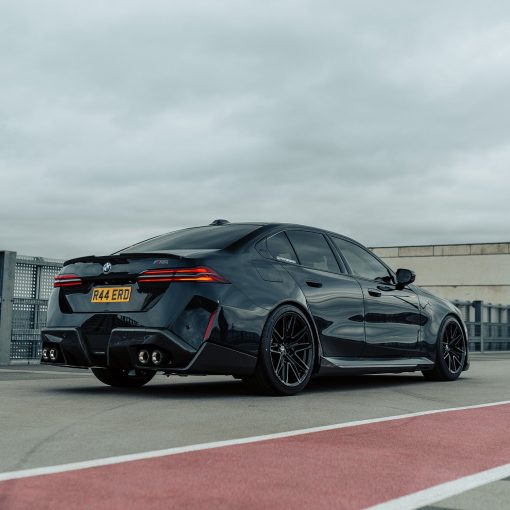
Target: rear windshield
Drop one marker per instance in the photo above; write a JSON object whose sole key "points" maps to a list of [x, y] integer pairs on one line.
{"points": [[198, 238]]}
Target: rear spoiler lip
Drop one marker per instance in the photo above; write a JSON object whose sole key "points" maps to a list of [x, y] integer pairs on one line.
{"points": [[120, 257]]}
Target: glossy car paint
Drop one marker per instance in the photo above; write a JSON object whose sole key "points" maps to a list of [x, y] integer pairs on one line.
{"points": [[335, 302], [392, 320], [360, 325]]}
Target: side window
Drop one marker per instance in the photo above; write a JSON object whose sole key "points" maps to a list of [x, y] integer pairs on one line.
{"points": [[313, 250], [361, 262], [280, 248]]}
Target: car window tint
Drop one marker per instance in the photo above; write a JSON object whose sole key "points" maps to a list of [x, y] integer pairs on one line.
{"points": [[280, 248], [201, 238], [313, 250], [361, 262]]}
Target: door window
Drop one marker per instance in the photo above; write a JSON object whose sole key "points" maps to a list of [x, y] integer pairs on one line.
{"points": [[313, 250], [361, 262]]}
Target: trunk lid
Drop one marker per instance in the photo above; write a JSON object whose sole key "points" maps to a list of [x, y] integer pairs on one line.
{"points": [[109, 283]]}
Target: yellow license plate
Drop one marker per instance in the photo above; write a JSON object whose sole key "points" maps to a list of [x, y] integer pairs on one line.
{"points": [[111, 295]]}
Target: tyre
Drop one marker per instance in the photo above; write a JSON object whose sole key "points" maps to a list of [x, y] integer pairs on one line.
{"points": [[451, 352], [287, 353], [123, 378]]}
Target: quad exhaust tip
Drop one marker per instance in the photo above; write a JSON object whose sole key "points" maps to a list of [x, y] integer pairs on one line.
{"points": [[50, 354], [143, 356], [157, 357]]}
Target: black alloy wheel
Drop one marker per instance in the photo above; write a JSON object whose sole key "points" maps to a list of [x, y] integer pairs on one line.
{"points": [[453, 347], [287, 356], [123, 378], [291, 349], [451, 352]]}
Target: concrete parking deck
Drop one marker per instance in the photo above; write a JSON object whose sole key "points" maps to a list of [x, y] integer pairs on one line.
{"points": [[57, 416]]}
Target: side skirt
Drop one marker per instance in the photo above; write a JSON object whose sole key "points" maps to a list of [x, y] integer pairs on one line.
{"points": [[335, 366]]}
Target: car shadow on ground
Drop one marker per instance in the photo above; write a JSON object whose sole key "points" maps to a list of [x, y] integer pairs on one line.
{"points": [[206, 388]]}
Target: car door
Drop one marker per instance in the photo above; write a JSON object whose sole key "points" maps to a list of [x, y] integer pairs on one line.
{"points": [[334, 298], [392, 315]]}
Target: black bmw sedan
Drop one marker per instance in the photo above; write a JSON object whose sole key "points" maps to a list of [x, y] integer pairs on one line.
{"points": [[272, 304]]}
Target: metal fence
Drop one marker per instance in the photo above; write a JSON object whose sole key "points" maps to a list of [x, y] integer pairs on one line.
{"points": [[488, 325], [26, 283], [33, 283], [25, 301]]}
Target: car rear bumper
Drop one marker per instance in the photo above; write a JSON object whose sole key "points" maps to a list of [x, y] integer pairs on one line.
{"points": [[122, 346]]}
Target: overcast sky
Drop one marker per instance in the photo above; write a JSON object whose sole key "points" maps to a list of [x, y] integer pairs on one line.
{"points": [[388, 121]]}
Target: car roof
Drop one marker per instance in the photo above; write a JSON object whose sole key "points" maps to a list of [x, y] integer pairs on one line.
{"points": [[283, 226]]}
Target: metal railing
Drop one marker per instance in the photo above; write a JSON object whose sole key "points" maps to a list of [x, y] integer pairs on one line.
{"points": [[488, 325], [25, 295]]}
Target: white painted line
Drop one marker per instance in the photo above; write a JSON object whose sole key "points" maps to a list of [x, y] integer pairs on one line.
{"points": [[62, 468], [445, 490], [85, 372]]}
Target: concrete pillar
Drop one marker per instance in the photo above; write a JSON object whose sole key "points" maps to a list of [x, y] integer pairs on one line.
{"points": [[7, 270]]}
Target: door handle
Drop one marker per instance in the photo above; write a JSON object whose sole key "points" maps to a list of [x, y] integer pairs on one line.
{"points": [[374, 292], [312, 283]]}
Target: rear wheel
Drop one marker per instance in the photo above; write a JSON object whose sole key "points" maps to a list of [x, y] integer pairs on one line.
{"points": [[451, 352], [287, 353], [123, 378]]}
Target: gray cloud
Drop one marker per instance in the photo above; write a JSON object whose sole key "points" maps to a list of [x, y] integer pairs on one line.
{"points": [[386, 121]]}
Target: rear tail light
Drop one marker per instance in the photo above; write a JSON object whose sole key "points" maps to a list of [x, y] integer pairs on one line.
{"points": [[190, 274], [67, 280]]}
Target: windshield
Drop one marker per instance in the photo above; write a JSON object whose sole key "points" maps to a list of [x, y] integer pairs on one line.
{"points": [[199, 238]]}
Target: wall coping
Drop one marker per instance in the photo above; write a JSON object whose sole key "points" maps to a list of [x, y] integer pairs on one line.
{"points": [[443, 250]]}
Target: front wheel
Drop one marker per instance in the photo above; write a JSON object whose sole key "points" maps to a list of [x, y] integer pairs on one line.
{"points": [[123, 378], [287, 353], [451, 352]]}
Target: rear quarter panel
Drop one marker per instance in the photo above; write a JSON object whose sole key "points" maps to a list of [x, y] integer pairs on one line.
{"points": [[257, 287]]}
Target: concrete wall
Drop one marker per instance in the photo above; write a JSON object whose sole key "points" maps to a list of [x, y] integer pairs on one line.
{"points": [[7, 269], [459, 271]]}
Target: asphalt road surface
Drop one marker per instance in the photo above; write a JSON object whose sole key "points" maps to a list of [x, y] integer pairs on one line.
{"points": [[52, 416]]}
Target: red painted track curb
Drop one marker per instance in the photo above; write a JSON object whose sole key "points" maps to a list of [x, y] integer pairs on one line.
{"points": [[347, 468]]}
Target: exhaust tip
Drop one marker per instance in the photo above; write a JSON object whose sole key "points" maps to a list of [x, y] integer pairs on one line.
{"points": [[45, 354], [53, 354], [157, 357], [143, 356]]}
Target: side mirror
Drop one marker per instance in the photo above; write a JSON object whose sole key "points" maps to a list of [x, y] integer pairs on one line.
{"points": [[405, 277]]}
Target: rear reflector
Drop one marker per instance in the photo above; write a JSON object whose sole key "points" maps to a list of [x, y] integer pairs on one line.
{"points": [[190, 274], [67, 280], [209, 327]]}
